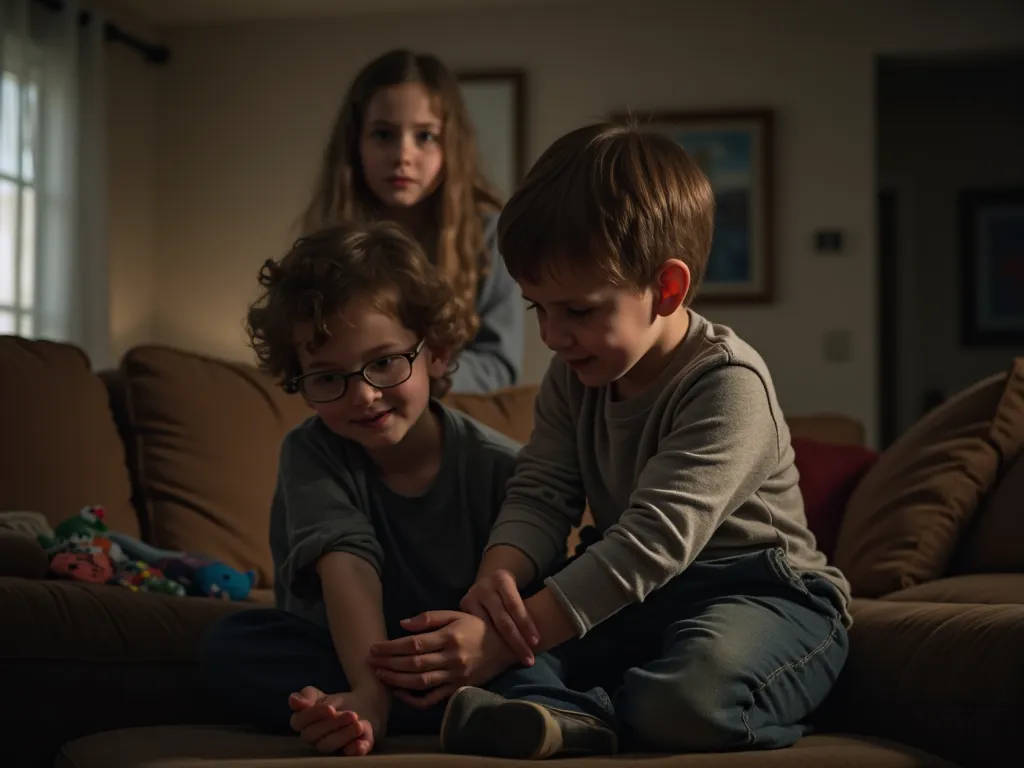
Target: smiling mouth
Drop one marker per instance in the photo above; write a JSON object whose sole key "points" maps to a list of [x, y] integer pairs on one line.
{"points": [[376, 420]]}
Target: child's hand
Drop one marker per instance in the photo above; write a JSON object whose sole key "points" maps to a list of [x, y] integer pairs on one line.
{"points": [[495, 598], [453, 649], [350, 722]]}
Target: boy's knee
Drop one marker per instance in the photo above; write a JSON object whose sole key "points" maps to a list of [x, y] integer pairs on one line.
{"points": [[696, 709]]}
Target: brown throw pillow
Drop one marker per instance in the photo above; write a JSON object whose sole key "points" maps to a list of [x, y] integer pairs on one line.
{"points": [[993, 544], [204, 437], [61, 447], [909, 512]]}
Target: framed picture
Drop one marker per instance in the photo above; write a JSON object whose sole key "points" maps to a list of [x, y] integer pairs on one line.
{"points": [[496, 102], [735, 150], [992, 266]]}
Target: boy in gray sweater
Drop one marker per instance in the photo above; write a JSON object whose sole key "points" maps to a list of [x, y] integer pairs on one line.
{"points": [[384, 501], [703, 618]]}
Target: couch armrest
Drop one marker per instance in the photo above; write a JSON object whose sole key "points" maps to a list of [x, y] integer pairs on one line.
{"points": [[21, 557], [945, 678]]}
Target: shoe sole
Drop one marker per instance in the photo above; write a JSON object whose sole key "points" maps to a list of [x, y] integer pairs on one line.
{"points": [[537, 733]]}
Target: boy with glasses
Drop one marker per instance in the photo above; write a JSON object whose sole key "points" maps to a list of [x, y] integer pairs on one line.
{"points": [[384, 501]]}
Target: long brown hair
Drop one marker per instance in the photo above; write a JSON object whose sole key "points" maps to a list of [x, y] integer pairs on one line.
{"points": [[462, 199]]}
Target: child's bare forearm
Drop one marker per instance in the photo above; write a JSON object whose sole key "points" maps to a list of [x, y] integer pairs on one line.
{"points": [[503, 557], [553, 624], [354, 600]]}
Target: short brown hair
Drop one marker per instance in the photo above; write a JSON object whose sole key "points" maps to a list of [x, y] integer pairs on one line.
{"points": [[611, 196], [325, 270]]}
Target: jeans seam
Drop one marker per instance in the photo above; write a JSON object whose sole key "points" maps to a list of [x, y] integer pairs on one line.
{"points": [[821, 649]]}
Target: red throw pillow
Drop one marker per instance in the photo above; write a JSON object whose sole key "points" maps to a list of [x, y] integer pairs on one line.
{"points": [[828, 474]]}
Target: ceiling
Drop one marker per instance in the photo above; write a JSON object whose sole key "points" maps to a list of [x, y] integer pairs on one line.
{"points": [[173, 12]]}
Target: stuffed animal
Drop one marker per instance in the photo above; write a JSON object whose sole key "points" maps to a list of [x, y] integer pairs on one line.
{"points": [[141, 577], [208, 578], [85, 532], [223, 581], [201, 576], [90, 567]]}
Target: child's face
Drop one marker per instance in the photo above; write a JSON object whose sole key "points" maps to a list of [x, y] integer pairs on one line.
{"points": [[400, 146], [601, 330], [362, 337]]}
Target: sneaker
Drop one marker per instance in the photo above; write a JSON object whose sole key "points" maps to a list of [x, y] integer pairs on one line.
{"points": [[478, 722]]}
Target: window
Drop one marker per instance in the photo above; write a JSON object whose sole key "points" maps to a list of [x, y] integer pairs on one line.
{"points": [[19, 169]]}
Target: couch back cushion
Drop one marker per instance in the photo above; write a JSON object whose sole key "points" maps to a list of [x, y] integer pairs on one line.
{"points": [[509, 411], [910, 511], [61, 447], [203, 437], [993, 544]]}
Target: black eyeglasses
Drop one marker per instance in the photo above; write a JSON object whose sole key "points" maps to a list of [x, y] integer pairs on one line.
{"points": [[382, 373]]}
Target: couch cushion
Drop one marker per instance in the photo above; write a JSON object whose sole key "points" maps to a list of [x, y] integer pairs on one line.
{"points": [[510, 410], [908, 513], [993, 544], [204, 437], [195, 747], [829, 473], [58, 428], [986, 588], [110, 656], [22, 556]]}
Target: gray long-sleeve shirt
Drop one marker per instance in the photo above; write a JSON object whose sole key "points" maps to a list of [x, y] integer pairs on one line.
{"points": [[494, 357], [331, 498], [697, 466]]}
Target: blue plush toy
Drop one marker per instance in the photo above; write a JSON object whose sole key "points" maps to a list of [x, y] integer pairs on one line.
{"points": [[219, 580]]}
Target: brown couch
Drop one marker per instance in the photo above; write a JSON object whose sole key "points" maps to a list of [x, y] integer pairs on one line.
{"points": [[181, 451]]}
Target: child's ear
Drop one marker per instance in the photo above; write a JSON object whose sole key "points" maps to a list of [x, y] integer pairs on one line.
{"points": [[438, 363], [673, 284]]}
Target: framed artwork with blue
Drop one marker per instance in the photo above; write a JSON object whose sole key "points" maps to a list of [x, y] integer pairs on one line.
{"points": [[992, 266], [735, 151]]}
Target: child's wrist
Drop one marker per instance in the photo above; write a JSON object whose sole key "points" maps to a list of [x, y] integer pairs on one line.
{"points": [[375, 692]]}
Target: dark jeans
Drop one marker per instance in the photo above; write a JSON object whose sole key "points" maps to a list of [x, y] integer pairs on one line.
{"points": [[253, 660], [734, 653]]}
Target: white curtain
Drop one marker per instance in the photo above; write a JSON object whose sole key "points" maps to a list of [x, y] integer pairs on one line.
{"points": [[53, 186]]}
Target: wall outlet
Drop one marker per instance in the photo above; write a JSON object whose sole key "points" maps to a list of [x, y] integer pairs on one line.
{"points": [[837, 346]]}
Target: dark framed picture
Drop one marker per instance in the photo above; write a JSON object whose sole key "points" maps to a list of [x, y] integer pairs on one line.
{"points": [[992, 266], [496, 102], [735, 150]]}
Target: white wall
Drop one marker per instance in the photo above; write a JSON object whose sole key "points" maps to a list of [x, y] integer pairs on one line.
{"points": [[243, 110], [942, 129]]}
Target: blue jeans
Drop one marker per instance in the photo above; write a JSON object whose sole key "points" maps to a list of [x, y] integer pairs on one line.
{"points": [[734, 653]]}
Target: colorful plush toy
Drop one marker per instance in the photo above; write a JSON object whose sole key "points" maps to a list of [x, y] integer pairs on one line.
{"points": [[201, 576], [84, 549], [85, 532], [90, 567], [140, 577], [223, 581]]}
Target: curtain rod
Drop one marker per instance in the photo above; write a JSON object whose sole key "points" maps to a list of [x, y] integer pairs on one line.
{"points": [[152, 53]]}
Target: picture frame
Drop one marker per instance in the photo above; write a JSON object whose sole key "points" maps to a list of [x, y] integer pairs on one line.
{"points": [[496, 102], [736, 151], [991, 224]]}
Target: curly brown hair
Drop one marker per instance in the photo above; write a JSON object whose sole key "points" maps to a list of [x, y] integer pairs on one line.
{"points": [[464, 197], [325, 270]]}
